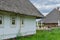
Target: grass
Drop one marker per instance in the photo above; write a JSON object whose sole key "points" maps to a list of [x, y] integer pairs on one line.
{"points": [[44, 35], [49, 35]]}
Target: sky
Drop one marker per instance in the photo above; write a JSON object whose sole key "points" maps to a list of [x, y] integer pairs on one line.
{"points": [[45, 6]]}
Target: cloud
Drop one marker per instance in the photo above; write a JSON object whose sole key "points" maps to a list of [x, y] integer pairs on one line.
{"points": [[45, 6], [44, 14]]}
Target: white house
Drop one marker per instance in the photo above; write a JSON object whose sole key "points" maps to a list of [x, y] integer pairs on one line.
{"points": [[17, 18]]}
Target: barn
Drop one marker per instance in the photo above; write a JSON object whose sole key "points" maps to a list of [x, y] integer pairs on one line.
{"points": [[52, 19]]}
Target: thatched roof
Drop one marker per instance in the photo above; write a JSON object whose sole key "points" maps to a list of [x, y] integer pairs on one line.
{"points": [[20, 6], [52, 17]]}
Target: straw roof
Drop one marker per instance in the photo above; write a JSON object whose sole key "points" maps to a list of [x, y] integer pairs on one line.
{"points": [[20, 6], [52, 17]]}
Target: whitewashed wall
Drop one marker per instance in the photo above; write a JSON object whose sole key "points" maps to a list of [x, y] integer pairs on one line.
{"points": [[58, 22], [29, 26], [7, 31]]}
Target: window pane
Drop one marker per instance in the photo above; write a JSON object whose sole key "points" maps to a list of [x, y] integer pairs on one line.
{"points": [[22, 21], [13, 21], [0, 19]]}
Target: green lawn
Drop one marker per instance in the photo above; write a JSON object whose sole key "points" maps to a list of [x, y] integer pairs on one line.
{"points": [[44, 35]]}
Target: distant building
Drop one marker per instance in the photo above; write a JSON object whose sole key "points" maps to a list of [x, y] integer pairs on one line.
{"points": [[52, 19]]}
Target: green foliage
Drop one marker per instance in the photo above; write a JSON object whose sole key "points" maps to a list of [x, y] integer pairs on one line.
{"points": [[43, 35]]}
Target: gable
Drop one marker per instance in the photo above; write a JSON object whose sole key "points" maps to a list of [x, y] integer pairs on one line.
{"points": [[52, 17]]}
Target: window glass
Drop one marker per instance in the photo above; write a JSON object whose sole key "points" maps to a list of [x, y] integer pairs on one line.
{"points": [[13, 20], [0, 19], [22, 21]]}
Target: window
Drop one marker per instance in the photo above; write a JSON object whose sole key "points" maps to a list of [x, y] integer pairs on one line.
{"points": [[0, 19], [13, 20], [22, 21]]}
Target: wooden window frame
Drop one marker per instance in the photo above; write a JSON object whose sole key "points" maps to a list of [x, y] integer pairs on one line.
{"points": [[1, 19], [22, 21], [2, 25], [13, 19]]}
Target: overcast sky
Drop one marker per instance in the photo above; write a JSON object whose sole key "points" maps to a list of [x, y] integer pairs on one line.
{"points": [[45, 6]]}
